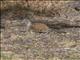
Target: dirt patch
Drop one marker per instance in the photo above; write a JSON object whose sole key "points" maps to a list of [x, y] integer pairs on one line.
{"points": [[61, 42]]}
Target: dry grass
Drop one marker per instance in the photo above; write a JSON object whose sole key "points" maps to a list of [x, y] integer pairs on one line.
{"points": [[17, 43], [35, 5]]}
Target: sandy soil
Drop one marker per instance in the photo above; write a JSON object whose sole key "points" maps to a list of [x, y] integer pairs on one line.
{"points": [[61, 42]]}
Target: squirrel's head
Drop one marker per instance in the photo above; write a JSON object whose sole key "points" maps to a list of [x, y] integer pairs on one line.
{"points": [[28, 23]]}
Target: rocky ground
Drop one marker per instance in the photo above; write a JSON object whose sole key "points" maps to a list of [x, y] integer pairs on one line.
{"points": [[57, 36]]}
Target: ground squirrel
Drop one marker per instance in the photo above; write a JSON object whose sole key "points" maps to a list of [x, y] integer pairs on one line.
{"points": [[37, 27]]}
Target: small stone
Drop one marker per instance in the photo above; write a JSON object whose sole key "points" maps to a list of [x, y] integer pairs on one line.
{"points": [[40, 27]]}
